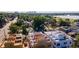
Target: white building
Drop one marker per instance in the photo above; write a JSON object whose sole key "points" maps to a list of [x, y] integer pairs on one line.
{"points": [[60, 39]]}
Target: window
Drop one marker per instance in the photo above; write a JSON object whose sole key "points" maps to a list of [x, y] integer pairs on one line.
{"points": [[56, 39], [70, 42], [18, 41], [18, 37], [54, 43], [61, 39], [65, 42], [58, 44], [64, 47], [54, 47]]}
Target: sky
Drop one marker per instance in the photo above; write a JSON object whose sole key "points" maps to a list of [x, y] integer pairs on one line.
{"points": [[39, 5]]}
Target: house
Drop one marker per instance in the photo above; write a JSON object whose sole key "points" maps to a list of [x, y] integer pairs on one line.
{"points": [[38, 37], [60, 39], [18, 42]]}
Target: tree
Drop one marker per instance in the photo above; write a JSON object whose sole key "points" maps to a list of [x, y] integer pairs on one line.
{"points": [[2, 20], [76, 42], [77, 37], [53, 22], [67, 21], [63, 22], [38, 24], [24, 31], [23, 16], [13, 28], [19, 22]]}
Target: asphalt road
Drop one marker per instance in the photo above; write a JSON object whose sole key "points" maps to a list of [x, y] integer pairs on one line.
{"points": [[4, 31]]}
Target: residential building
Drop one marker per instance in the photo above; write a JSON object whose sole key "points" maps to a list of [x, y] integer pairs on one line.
{"points": [[38, 37], [60, 39]]}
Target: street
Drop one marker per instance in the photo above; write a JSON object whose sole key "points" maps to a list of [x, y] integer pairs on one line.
{"points": [[4, 31]]}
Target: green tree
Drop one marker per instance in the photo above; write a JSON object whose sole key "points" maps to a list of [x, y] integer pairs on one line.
{"points": [[23, 16], [77, 37], [67, 22], [38, 24], [2, 20], [24, 31], [76, 42], [53, 22], [13, 28], [63, 22], [19, 22]]}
